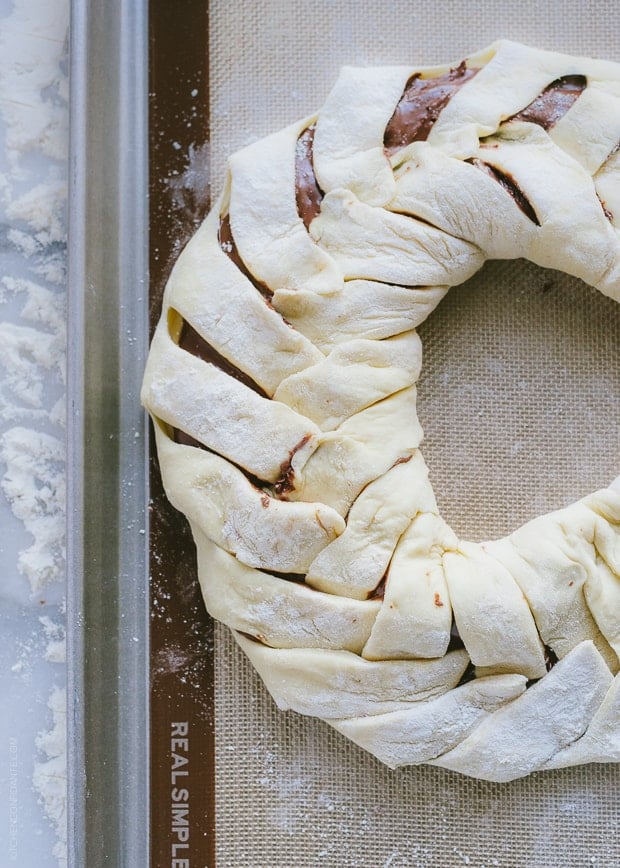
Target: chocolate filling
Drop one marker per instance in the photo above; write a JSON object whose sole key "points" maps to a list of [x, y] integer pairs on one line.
{"points": [[549, 664], [509, 184], [421, 104], [606, 210], [297, 578], [308, 194], [285, 482], [227, 243], [468, 675], [184, 439], [179, 436], [550, 658], [192, 342], [456, 643], [553, 103], [378, 593], [387, 282], [404, 459]]}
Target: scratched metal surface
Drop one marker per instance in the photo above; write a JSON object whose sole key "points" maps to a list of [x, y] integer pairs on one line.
{"points": [[107, 473]]}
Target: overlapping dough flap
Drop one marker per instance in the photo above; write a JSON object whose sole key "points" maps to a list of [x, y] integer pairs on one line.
{"points": [[282, 383]]}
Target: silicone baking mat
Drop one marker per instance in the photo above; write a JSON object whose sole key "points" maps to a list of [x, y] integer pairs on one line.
{"points": [[519, 399]]}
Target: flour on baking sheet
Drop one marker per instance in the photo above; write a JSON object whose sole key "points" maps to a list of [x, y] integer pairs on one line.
{"points": [[33, 203]]}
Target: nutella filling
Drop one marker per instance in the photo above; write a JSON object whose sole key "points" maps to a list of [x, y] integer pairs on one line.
{"points": [[378, 593], [456, 643], [421, 104], [286, 482], [553, 103], [297, 578], [192, 342], [227, 243], [179, 436], [550, 658], [468, 675], [184, 439], [308, 194], [608, 214], [509, 184]]}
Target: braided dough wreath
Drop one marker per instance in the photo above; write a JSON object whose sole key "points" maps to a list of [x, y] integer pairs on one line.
{"points": [[281, 381]]}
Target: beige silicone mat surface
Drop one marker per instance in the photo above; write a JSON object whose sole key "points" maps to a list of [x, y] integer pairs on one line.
{"points": [[519, 399]]}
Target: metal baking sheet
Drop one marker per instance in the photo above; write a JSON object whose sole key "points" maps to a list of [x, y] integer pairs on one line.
{"points": [[140, 692], [108, 735]]}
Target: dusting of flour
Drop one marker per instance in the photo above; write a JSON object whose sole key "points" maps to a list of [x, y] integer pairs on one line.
{"points": [[50, 775], [34, 484], [33, 202]]}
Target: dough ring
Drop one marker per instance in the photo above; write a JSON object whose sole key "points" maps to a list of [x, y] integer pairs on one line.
{"points": [[281, 381]]}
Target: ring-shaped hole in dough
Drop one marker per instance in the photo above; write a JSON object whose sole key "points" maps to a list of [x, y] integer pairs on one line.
{"points": [[519, 396]]}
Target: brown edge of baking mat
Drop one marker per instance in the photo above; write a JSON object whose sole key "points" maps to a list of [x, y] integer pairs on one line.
{"points": [[182, 773]]}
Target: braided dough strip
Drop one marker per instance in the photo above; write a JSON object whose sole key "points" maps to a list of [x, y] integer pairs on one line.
{"points": [[281, 381]]}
